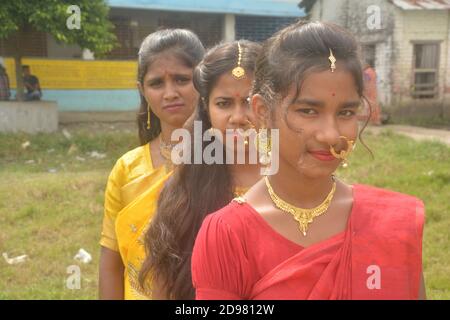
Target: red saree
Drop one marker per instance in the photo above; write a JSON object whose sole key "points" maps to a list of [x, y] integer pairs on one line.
{"points": [[237, 255]]}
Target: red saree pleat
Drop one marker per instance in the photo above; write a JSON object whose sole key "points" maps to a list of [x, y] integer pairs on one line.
{"points": [[316, 272]]}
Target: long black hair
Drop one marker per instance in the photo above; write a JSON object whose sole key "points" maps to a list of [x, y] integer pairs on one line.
{"points": [[194, 190]]}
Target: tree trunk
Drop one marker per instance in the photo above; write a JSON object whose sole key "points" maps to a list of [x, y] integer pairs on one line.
{"points": [[18, 63], [19, 77]]}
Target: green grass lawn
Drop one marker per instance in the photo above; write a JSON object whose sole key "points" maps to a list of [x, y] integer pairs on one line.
{"points": [[52, 206]]}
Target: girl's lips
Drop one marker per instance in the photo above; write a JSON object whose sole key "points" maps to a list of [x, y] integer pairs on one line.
{"points": [[322, 155], [174, 107]]}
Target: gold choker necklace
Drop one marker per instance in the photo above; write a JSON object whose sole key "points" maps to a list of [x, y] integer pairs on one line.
{"points": [[303, 216]]}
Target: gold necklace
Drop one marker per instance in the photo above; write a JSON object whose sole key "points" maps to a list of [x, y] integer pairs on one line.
{"points": [[165, 149], [303, 216]]}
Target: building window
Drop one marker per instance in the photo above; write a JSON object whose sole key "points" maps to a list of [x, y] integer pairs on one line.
{"points": [[256, 28], [208, 27], [33, 43], [126, 32], [426, 61]]}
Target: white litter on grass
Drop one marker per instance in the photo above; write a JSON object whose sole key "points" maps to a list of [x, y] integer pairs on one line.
{"points": [[73, 149], [83, 256], [15, 260], [26, 144], [80, 158], [66, 134], [52, 170], [97, 155], [29, 162]]}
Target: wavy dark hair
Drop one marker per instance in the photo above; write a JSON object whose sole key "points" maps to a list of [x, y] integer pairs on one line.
{"points": [[300, 49], [182, 43], [194, 190]]}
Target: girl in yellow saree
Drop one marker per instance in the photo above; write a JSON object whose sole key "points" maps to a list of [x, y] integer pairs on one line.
{"points": [[223, 79], [165, 65]]}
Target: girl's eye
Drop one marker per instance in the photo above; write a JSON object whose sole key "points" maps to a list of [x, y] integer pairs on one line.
{"points": [[223, 104], [309, 112], [183, 80], [155, 84], [347, 113]]}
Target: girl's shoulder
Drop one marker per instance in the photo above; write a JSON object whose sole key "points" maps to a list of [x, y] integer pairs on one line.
{"points": [[131, 165], [384, 209], [234, 216], [135, 156], [381, 196]]}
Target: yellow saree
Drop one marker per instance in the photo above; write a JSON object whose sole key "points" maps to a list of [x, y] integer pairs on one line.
{"points": [[130, 202]]}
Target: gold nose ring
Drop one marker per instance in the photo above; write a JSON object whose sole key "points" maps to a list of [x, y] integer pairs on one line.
{"points": [[343, 154]]}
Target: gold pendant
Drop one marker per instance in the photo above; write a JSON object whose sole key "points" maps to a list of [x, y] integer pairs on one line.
{"points": [[238, 72], [165, 150], [303, 216]]}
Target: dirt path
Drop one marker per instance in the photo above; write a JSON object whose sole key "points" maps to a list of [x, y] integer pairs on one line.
{"points": [[417, 133]]}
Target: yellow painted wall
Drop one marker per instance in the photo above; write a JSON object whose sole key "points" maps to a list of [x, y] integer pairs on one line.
{"points": [[78, 74]]}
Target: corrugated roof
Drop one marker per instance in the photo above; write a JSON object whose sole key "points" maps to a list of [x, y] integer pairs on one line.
{"points": [[273, 8], [422, 4]]}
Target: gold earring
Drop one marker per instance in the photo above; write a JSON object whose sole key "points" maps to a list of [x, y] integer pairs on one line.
{"points": [[252, 126], [343, 154], [264, 146], [148, 116]]}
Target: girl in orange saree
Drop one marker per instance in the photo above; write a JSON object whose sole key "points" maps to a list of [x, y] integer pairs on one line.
{"points": [[302, 233]]}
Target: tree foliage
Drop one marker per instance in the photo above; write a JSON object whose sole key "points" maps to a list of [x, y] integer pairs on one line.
{"points": [[50, 16]]}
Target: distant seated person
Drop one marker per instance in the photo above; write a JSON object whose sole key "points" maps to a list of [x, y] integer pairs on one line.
{"points": [[32, 85], [5, 93]]}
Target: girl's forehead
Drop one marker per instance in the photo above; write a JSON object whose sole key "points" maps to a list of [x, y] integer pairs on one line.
{"points": [[325, 83], [227, 84], [162, 61]]}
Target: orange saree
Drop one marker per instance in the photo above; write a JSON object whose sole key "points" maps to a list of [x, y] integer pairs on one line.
{"points": [[237, 255]]}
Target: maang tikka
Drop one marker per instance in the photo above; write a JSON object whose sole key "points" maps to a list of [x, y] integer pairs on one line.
{"points": [[333, 60], [238, 72]]}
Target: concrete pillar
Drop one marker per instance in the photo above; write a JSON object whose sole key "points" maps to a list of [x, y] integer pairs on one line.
{"points": [[229, 28]]}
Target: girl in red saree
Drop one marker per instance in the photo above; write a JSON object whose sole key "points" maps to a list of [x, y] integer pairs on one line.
{"points": [[302, 233]]}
